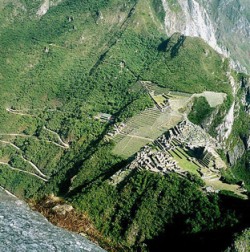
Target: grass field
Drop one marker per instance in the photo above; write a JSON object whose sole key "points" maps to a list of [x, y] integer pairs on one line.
{"points": [[159, 99], [128, 145], [219, 185], [213, 98], [143, 129], [183, 162]]}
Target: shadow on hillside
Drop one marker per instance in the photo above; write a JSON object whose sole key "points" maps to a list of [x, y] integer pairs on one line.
{"points": [[97, 179], [174, 238], [163, 45], [169, 46]]}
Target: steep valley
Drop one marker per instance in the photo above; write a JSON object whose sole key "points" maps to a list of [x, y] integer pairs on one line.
{"points": [[130, 118]]}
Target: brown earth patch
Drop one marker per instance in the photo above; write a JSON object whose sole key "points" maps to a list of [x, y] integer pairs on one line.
{"points": [[73, 220]]}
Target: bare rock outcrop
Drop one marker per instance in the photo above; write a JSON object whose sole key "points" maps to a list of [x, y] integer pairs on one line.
{"points": [[62, 209]]}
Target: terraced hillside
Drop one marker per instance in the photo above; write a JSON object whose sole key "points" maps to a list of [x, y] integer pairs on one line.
{"points": [[64, 64]]}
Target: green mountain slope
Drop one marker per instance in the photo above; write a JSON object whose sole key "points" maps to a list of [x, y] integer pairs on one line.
{"points": [[59, 71]]}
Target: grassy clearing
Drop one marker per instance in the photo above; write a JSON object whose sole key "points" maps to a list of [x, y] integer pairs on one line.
{"points": [[213, 98], [183, 162], [128, 146], [159, 98], [219, 185], [148, 124]]}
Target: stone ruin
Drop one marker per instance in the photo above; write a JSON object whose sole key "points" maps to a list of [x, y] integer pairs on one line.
{"points": [[187, 136], [192, 135], [157, 161]]}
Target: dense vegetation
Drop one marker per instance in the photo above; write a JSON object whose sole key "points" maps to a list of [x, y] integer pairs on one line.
{"points": [[147, 204], [86, 57], [200, 110], [241, 243], [57, 66]]}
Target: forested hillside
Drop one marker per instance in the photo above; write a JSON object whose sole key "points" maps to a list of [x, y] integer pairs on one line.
{"points": [[71, 71]]}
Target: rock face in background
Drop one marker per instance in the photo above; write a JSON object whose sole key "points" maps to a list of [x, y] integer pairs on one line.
{"points": [[191, 19], [225, 129], [236, 153], [17, 9], [245, 99], [232, 29], [43, 9], [242, 102], [224, 25]]}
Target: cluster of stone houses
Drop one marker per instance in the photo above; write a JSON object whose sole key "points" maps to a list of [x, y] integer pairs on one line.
{"points": [[192, 135], [185, 135], [157, 161]]}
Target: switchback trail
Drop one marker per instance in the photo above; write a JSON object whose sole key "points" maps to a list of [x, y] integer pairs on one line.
{"points": [[58, 137], [24, 159], [22, 113], [13, 145], [34, 137], [17, 112], [19, 170]]}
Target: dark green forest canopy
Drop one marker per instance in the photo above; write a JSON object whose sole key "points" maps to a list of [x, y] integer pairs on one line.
{"points": [[87, 57]]}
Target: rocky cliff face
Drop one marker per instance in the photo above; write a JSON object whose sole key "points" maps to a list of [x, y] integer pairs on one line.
{"points": [[225, 128], [224, 25], [18, 8], [239, 140], [190, 19], [236, 153]]}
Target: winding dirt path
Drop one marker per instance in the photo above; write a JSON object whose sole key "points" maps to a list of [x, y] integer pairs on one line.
{"points": [[34, 166], [58, 137], [23, 135], [8, 192], [13, 145], [24, 159], [61, 144], [22, 113], [19, 170], [14, 134], [18, 112]]}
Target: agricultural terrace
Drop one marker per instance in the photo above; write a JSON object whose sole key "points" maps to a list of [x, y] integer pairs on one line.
{"points": [[170, 108], [145, 127]]}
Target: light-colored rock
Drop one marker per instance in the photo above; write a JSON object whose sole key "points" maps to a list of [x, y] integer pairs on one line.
{"points": [[248, 143], [192, 20], [62, 209], [45, 7], [236, 153], [224, 130], [223, 24]]}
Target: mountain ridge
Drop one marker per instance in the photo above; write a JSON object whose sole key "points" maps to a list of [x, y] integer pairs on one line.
{"points": [[211, 20], [122, 119]]}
